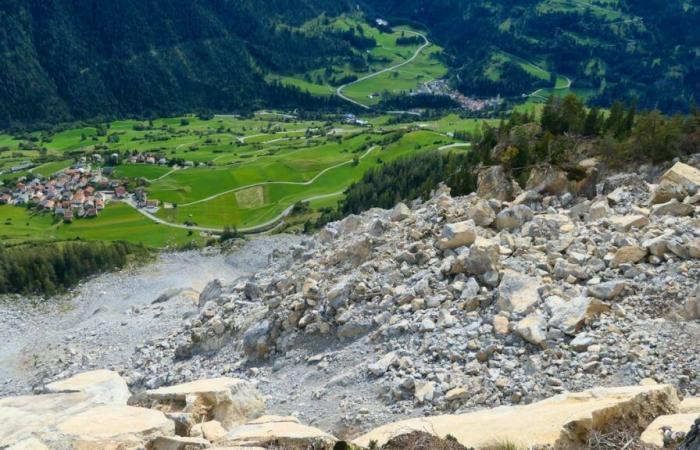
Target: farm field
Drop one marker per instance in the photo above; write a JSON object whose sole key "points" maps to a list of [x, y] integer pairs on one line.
{"points": [[243, 172]]}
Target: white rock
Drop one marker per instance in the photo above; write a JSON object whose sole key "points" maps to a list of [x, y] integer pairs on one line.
{"points": [[459, 234], [533, 329], [517, 292]]}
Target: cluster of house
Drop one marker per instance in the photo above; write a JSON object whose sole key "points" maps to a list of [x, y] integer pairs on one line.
{"points": [[147, 158], [72, 193], [442, 87], [351, 119]]}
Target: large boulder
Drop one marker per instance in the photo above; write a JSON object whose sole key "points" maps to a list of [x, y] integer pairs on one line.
{"points": [[533, 329], [256, 340], [517, 293], [87, 409], [667, 425], [103, 386], [211, 291], [566, 421], [547, 179], [691, 307], [666, 191], [629, 254], [179, 443], [477, 260], [458, 234], [230, 401], [112, 426], [626, 223], [570, 316], [513, 217], [690, 405], [481, 213], [672, 208], [607, 290], [282, 432], [683, 175], [494, 183]]}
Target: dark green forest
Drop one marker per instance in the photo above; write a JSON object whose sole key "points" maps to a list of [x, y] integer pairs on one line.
{"points": [[646, 49], [48, 268], [74, 59]]}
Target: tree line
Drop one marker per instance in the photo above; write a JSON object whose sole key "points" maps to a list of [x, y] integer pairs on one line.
{"points": [[48, 268]]}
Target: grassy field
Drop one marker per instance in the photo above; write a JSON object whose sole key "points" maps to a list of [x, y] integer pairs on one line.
{"points": [[228, 209], [248, 170], [117, 222]]}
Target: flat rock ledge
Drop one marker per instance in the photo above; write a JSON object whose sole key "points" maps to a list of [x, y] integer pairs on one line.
{"points": [[565, 421], [90, 412]]}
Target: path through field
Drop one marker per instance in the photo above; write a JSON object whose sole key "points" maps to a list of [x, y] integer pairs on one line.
{"points": [[339, 91], [260, 227]]}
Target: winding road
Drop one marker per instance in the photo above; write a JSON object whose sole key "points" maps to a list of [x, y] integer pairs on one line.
{"points": [[339, 91], [555, 88]]}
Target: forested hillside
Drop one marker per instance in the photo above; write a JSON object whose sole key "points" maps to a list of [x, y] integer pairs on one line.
{"points": [[68, 59], [611, 49]]}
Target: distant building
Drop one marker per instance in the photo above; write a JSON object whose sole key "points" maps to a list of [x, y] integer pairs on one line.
{"points": [[382, 23]]}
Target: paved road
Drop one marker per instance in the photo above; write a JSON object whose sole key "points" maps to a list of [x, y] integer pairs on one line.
{"points": [[339, 91], [260, 228]]}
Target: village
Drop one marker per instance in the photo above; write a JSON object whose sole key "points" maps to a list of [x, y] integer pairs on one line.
{"points": [[80, 191], [442, 87]]}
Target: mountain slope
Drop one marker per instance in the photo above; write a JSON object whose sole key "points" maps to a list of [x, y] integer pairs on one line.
{"points": [[68, 59], [612, 48]]}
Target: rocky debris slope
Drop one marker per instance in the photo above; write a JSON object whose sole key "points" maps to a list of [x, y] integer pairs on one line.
{"points": [[565, 421], [99, 324], [90, 412], [458, 303]]}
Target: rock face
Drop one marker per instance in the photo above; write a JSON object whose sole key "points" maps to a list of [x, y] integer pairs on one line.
{"points": [[282, 432], [564, 421], [229, 401]]}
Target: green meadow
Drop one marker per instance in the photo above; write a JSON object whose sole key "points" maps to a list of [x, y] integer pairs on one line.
{"points": [[246, 171], [117, 222]]}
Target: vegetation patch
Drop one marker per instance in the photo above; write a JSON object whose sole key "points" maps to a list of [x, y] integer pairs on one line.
{"points": [[251, 198]]}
